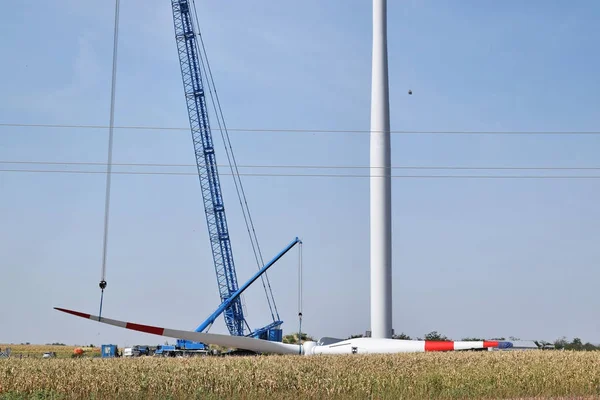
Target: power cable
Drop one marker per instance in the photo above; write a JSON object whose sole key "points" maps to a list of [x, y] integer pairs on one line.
{"points": [[315, 175], [415, 167], [287, 130]]}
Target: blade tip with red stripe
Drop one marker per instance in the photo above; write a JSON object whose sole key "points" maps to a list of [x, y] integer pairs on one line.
{"points": [[76, 313]]}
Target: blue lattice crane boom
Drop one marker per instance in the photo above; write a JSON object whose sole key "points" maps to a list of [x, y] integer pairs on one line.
{"points": [[191, 64], [206, 162]]}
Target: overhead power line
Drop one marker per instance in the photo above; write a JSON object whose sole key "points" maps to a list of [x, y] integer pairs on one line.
{"points": [[312, 175], [416, 167], [271, 130]]}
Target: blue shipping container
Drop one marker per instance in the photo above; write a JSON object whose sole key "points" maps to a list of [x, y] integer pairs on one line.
{"points": [[109, 350]]}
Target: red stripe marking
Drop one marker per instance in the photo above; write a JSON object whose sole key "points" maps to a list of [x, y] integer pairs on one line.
{"points": [[79, 314], [488, 343], [145, 328], [431, 345]]}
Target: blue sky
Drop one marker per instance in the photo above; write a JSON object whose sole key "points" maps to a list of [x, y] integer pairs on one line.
{"points": [[471, 257]]}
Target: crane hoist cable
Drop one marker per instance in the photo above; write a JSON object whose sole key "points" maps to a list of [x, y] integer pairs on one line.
{"points": [[233, 164], [109, 162], [300, 298]]}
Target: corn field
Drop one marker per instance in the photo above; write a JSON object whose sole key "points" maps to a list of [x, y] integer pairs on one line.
{"points": [[514, 374], [36, 351]]}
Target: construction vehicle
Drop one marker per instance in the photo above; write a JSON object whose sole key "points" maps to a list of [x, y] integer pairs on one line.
{"points": [[138, 351], [182, 348], [196, 87]]}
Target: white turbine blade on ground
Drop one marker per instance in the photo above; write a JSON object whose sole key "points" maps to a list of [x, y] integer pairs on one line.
{"points": [[238, 342], [386, 346]]}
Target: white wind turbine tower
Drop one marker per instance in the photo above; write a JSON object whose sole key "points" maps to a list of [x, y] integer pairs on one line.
{"points": [[381, 181]]}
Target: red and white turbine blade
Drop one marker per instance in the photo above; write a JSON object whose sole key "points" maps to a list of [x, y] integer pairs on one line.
{"points": [[238, 342], [349, 346], [386, 345]]}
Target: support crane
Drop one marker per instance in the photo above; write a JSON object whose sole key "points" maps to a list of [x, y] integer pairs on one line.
{"points": [[195, 95]]}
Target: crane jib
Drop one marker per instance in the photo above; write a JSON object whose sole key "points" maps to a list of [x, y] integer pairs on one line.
{"points": [[235, 296]]}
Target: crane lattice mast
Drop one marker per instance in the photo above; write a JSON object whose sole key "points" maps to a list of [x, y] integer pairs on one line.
{"points": [[189, 58]]}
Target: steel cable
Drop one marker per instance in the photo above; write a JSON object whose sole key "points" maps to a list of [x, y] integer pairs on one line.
{"points": [[109, 162]]}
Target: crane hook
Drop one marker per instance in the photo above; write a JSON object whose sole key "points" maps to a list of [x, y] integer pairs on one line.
{"points": [[102, 287]]}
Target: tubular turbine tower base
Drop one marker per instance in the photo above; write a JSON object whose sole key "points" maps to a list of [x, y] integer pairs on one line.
{"points": [[381, 196]]}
